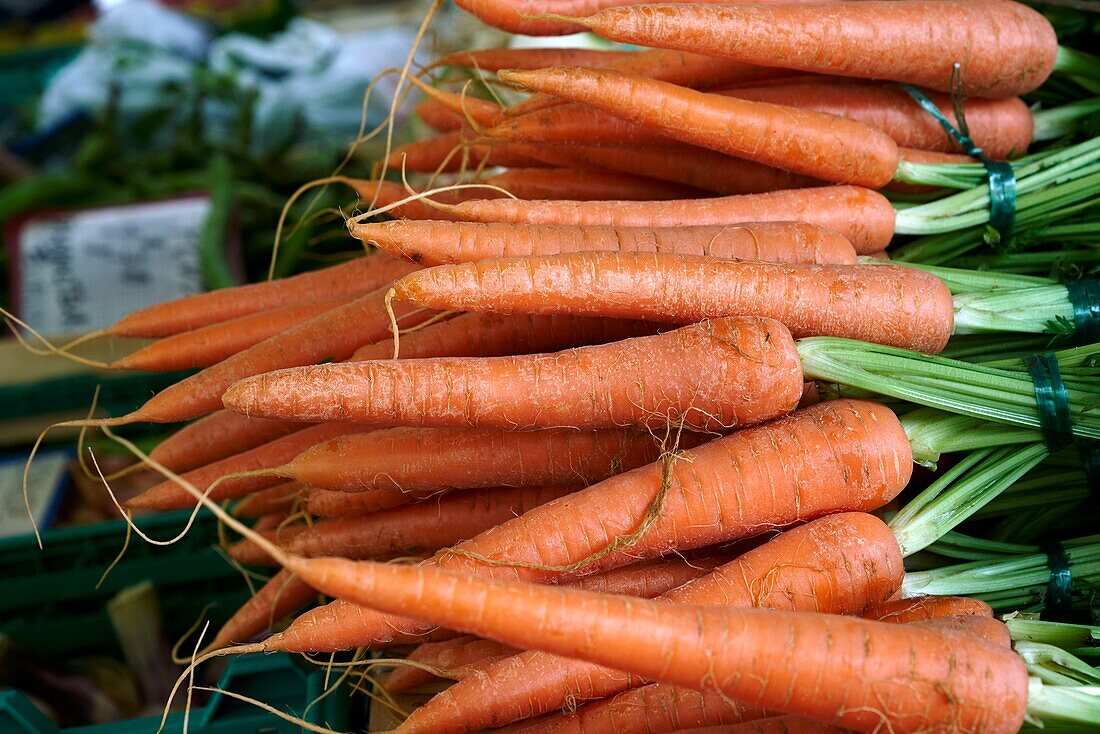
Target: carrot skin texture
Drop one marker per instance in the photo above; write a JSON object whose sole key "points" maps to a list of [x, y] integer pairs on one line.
{"points": [[280, 498], [335, 334], [992, 630], [733, 487], [838, 564], [1002, 128], [753, 374], [912, 309], [924, 608], [456, 151], [914, 41], [494, 59], [349, 279], [420, 528], [251, 554], [440, 243], [566, 183], [439, 459], [810, 143], [208, 345], [219, 435], [282, 594], [680, 163], [446, 656], [865, 217], [167, 495], [928, 679], [331, 503], [498, 335]]}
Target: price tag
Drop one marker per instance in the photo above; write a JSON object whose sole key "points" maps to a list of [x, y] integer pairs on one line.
{"points": [[80, 271], [45, 483]]}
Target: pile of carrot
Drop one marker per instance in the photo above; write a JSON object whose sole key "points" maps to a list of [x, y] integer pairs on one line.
{"points": [[644, 412]]}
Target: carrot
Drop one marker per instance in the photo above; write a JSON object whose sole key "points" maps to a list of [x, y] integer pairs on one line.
{"points": [[655, 708], [438, 117], [697, 71], [429, 460], [221, 434], [211, 344], [451, 152], [914, 41], [280, 498], [925, 680], [496, 335], [565, 183], [993, 631], [335, 334], [439, 243], [837, 564], [802, 141], [282, 594], [911, 309], [494, 59], [447, 656], [250, 553], [1001, 128], [332, 503], [168, 495], [349, 279], [841, 455], [692, 166], [776, 725], [752, 373], [922, 608], [420, 528], [865, 217], [385, 193], [646, 580]]}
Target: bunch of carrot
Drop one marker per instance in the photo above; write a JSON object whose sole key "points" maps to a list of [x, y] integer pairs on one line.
{"points": [[619, 432]]}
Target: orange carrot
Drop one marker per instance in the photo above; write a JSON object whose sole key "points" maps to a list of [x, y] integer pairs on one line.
{"points": [[840, 455], [752, 373], [1002, 127], [922, 608], [168, 495], [496, 335], [335, 334], [439, 243], [683, 164], [865, 217], [926, 680], [677, 67], [429, 460], [421, 528], [810, 143], [776, 725], [888, 304], [915, 41], [454, 151], [648, 579], [331, 503], [221, 434], [448, 656], [494, 59], [993, 631], [282, 594], [211, 344], [566, 183], [280, 498], [350, 279], [250, 553], [837, 564]]}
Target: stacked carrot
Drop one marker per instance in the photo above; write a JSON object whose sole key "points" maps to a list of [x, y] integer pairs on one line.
{"points": [[573, 405]]}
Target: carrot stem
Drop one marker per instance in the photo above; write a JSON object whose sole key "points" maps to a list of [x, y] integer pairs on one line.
{"points": [[1072, 62], [1055, 666], [959, 493], [1003, 394], [1083, 640], [1063, 120]]}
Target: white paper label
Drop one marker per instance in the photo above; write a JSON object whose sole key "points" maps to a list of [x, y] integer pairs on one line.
{"points": [[84, 270], [43, 483]]}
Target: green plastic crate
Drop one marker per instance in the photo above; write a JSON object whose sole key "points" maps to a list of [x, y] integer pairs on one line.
{"points": [[49, 603], [118, 394]]}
